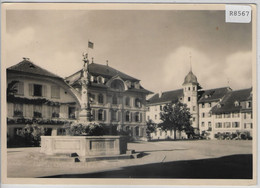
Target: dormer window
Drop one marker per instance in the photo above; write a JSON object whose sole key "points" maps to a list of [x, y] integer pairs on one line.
{"points": [[236, 103], [100, 79], [206, 96], [137, 85], [128, 83], [218, 105], [92, 78]]}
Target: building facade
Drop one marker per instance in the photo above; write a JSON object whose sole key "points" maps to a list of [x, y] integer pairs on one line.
{"points": [[116, 99], [214, 111], [37, 95]]}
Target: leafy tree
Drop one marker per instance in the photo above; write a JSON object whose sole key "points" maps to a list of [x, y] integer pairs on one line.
{"points": [[151, 127], [175, 117], [12, 88]]}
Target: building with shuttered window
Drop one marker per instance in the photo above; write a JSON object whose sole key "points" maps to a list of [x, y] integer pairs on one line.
{"points": [[37, 95], [116, 99]]}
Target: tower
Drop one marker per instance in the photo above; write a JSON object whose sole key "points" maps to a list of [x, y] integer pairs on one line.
{"points": [[190, 92]]}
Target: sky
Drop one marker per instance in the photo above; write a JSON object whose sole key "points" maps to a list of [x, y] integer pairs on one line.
{"points": [[154, 46]]}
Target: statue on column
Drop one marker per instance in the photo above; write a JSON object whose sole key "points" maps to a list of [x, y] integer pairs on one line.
{"points": [[85, 113]]}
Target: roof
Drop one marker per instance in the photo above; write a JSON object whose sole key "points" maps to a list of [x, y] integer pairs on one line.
{"points": [[168, 96], [190, 79], [26, 66], [212, 95], [100, 70], [228, 102]]}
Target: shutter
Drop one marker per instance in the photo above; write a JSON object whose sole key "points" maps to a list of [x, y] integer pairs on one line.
{"points": [[141, 117], [10, 109], [44, 90], [29, 110], [130, 116], [93, 114], [64, 111], [96, 113], [31, 89], [119, 116], [45, 110], [20, 88], [104, 115]]}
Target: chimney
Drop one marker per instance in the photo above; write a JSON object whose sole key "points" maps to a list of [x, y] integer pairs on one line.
{"points": [[160, 94]]}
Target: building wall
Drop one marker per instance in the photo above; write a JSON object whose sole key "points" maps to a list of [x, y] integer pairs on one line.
{"points": [[52, 89], [136, 125]]}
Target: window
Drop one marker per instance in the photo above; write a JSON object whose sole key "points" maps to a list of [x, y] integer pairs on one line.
{"points": [[100, 115], [113, 115], [155, 116], [188, 98], [218, 116], [18, 110], [127, 116], [55, 92], [235, 125], [202, 124], [137, 103], [127, 101], [235, 115], [19, 87], [148, 109], [236, 103], [194, 108], [249, 104], [193, 119], [148, 117], [117, 85], [37, 90], [155, 108], [209, 123], [55, 111], [37, 111], [209, 105], [209, 114], [203, 105], [100, 99], [194, 88], [137, 118], [226, 115], [227, 125], [114, 100], [160, 107], [203, 115], [189, 88], [218, 125], [72, 112], [100, 79]]}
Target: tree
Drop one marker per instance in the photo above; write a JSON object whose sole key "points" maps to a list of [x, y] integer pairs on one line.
{"points": [[151, 127], [175, 117]]}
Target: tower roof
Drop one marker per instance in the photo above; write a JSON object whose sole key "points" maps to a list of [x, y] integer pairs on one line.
{"points": [[190, 79]]}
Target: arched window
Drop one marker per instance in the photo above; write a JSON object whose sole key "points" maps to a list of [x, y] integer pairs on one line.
{"points": [[127, 116], [127, 101], [114, 100], [137, 103], [117, 85], [100, 79], [100, 115], [100, 99]]}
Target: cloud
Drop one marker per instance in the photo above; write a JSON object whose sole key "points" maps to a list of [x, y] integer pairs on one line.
{"points": [[177, 65], [239, 69], [20, 40]]}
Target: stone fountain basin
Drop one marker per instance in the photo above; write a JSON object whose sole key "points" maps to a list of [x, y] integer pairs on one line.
{"points": [[84, 145]]}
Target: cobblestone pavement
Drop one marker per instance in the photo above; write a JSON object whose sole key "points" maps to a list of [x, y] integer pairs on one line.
{"points": [[26, 162]]}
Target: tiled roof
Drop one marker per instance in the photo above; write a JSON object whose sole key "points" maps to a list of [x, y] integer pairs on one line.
{"points": [[168, 96], [190, 79], [27, 66], [100, 70], [213, 94], [228, 102]]}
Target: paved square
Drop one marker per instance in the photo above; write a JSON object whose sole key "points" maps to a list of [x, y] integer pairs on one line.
{"points": [[163, 159]]}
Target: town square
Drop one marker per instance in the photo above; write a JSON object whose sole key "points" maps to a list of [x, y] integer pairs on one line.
{"points": [[165, 93]]}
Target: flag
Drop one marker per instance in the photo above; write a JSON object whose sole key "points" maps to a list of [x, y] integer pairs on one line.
{"points": [[90, 44]]}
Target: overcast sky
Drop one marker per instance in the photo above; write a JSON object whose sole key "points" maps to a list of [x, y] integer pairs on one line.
{"points": [[153, 46]]}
